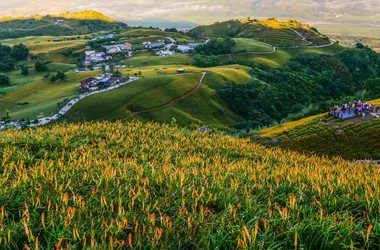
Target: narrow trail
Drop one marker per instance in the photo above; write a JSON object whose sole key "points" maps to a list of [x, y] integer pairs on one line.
{"points": [[174, 100]]}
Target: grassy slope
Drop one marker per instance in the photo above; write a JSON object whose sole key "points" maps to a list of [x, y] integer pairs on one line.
{"points": [[155, 90], [139, 35], [42, 95], [143, 60], [273, 32], [51, 48], [311, 135], [279, 58], [250, 45], [139, 185]]}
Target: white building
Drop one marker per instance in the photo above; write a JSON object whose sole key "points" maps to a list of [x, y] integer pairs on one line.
{"points": [[117, 48], [95, 57], [187, 48]]}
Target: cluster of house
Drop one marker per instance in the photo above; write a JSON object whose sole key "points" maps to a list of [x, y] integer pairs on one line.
{"points": [[101, 82], [187, 47], [153, 45], [97, 57], [169, 49]]}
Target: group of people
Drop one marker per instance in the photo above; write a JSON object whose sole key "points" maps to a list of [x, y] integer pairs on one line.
{"points": [[352, 109]]}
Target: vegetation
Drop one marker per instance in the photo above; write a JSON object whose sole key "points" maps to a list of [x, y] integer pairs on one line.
{"points": [[272, 31], [309, 79], [352, 139], [116, 185], [40, 96], [73, 24], [160, 86], [246, 45], [4, 80], [372, 86], [206, 61], [10, 56], [59, 76], [24, 71], [41, 66], [217, 46]]}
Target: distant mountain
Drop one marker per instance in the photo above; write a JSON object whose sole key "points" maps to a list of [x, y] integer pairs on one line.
{"points": [[315, 8], [277, 33], [162, 23], [89, 15], [76, 23]]}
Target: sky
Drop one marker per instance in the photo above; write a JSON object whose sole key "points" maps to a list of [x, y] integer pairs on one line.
{"points": [[129, 9], [195, 10]]}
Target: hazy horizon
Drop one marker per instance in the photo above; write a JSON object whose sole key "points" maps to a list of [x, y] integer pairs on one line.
{"points": [[199, 11]]}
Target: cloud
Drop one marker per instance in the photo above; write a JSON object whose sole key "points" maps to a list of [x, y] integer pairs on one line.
{"points": [[193, 9]]}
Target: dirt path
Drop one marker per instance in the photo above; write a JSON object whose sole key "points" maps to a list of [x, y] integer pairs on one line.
{"points": [[174, 100]]}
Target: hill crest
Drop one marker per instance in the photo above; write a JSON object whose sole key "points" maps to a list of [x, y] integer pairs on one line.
{"points": [[81, 15]]}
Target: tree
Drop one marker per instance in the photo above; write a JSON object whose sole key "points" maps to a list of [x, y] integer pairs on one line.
{"points": [[372, 86], [7, 64], [41, 66], [206, 61], [19, 52], [217, 46], [60, 75], [4, 80], [4, 51], [24, 71]]}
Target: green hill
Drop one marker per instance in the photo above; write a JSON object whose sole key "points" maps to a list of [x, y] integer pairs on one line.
{"points": [[142, 185], [70, 24], [290, 33], [161, 86], [323, 135]]}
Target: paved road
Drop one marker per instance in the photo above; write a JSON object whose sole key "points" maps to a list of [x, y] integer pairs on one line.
{"points": [[67, 107]]}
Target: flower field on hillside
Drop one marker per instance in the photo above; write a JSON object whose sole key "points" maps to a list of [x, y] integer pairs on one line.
{"points": [[134, 185]]}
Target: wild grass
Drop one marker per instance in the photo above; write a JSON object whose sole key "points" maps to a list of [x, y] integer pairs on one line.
{"points": [[136, 185]]}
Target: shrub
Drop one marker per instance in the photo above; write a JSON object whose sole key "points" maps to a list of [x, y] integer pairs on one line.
{"points": [[4, 80]]}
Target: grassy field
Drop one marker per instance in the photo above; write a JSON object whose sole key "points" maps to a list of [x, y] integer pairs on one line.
{"points": [[38, 96], [143, 34], [52, 48], [142, 185], [351, 139], [279, 58], [46, 44], [159, 86], [250, 45], [143, 60]]}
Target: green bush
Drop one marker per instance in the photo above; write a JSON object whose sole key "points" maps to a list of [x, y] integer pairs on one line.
{"points": [[4, 80]]}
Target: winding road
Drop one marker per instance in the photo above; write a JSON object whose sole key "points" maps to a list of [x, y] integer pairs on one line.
{"points": [[65, 109]]}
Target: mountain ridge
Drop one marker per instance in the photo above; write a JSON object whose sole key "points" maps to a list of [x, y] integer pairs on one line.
{"points": [[90, 15]]}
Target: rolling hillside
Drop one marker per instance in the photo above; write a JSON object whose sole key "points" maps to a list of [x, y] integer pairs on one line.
{"points": [[272, 31], [70, 24], [161, 86], [323, 135], [142, 185]]}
